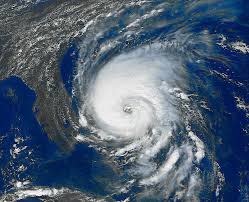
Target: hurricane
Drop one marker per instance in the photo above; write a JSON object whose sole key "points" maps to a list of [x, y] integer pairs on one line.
{"points": [[133, 93], [148, 91]]}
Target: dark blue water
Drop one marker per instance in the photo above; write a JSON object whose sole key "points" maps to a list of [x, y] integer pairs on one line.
{"points": [[45, 164]]}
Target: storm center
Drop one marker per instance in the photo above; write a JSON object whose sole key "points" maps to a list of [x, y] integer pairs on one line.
{"points": [[127, 109]]}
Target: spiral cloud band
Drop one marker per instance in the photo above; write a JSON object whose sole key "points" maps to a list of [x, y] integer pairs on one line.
{"points": [[130, 87], [133, 99], [129, 96]]}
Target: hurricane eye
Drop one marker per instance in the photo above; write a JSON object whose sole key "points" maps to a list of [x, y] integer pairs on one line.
{"points": [[127, 109]]}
